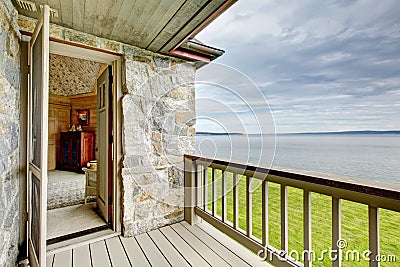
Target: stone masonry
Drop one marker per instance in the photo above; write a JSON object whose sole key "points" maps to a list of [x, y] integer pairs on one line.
{"points": [[9, 133], [158, 116]]}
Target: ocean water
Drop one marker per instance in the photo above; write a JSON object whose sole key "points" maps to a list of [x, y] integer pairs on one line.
{"points": [[373, 157]]}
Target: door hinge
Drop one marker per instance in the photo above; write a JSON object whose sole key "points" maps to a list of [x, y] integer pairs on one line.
{"points": [[110, 139], [29, 70], [109, 200]]}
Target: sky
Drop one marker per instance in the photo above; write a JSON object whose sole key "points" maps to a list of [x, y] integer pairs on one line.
{"points": [[302, 66]]}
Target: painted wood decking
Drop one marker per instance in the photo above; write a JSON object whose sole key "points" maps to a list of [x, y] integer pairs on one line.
{"points": [[179, 244]]}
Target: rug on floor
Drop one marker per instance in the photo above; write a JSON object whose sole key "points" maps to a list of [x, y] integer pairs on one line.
{"points": [[65, 189]]}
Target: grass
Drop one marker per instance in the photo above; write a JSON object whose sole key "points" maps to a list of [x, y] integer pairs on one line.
{"points": [[354, 220]]}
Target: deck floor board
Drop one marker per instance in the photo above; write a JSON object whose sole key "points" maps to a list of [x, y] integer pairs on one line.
{"points": [[49, 260], [207, 253], [149, 248], [167, 249], [81, 256], [134, 252], [179, 244], [99, 254], [220, 249], [116, 252], [240, 250], [63, 259]]}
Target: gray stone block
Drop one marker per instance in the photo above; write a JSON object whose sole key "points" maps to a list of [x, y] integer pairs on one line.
{"points": [[162, 63], [14, 136], [175, 176], [132, 161]]}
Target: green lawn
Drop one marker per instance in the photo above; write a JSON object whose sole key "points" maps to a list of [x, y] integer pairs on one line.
{"points": [[354, 221]]}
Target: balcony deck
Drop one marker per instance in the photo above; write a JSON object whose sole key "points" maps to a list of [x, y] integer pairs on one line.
{"points": [[217, 243], [179, 244]]}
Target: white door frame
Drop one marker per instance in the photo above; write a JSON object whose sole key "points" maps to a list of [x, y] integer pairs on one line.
{"points": [[60, 47]]}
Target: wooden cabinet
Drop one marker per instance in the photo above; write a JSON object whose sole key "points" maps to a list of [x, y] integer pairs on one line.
{"points": [[77, 149]]}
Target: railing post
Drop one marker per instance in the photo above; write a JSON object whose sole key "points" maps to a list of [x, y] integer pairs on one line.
{"points": [[307, 228], [284, 218], [373, 224], [199, 184], [214, 192], [264, 199], [190, 191], [336, 232], [235, 203], [205, 188], [249, 207], [224, 200]]}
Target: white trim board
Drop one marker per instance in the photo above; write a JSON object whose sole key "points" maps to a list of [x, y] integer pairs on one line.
{"points": [[70, 50]]}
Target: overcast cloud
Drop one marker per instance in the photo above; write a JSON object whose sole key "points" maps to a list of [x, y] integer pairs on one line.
{"points": [[321, 65]]}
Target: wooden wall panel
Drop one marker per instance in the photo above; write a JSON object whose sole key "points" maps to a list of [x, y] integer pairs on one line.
{"points": [[59, 121]]}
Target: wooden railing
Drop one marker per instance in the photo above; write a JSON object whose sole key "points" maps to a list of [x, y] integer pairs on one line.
{"points": [[200, 206]]}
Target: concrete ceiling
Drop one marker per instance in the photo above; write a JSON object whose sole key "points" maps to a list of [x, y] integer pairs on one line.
{"points": [[156, 25]]}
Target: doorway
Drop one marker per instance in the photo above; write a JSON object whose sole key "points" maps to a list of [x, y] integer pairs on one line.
{"points": [[77, 131], [34, 133]]}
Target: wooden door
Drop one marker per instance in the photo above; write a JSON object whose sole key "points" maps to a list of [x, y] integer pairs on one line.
{"points": [[37, 139], [104, 139], [87, 148]]}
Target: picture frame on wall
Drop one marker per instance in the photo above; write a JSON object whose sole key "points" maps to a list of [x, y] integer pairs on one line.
{"points": [[83, 116]]}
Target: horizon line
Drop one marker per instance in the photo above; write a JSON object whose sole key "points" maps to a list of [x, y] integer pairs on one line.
{"points": [[327, 132]]}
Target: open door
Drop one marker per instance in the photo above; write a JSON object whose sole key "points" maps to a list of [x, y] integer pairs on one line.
{"points": [[104, 144], [38, 105]]}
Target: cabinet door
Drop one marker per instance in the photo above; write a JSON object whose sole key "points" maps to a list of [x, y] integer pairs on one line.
{"points": [[84, 149], [65, 147], [84, 142], [75, 152]]}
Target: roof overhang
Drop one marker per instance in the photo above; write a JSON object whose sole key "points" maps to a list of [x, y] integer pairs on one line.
{"points": [[163, 26], [192, 49]]}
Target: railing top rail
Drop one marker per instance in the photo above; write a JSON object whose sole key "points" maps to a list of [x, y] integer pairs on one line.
{"points": [[379, 189]]}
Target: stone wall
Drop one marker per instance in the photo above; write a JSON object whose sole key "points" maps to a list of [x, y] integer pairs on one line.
{"points": [[158, 114], [9, 133]]}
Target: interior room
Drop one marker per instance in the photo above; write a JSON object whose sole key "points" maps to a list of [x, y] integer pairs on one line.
{"points": [[72, 166]]}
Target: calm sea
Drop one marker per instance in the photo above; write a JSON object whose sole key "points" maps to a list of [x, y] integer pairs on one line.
{"points": [[372, 157]]}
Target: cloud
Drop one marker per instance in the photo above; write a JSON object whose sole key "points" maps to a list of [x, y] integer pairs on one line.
{"points": [[228, 100], [321, 65]]}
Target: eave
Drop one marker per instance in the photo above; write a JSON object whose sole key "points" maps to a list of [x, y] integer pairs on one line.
{"points": [[163, 26]]}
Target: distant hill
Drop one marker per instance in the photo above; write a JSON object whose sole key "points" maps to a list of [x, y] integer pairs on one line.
{"points": [[308, 133], [211, 133], [354, 132]]}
